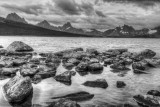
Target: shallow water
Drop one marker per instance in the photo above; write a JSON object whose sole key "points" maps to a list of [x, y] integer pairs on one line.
{"points": [[48, 88]]}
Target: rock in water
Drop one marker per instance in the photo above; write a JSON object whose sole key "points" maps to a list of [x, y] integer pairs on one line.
{"points": [[147, 53], [121, 84], [17, 89], [19, 46], [101, 83], [64, 103], [78, 96]]}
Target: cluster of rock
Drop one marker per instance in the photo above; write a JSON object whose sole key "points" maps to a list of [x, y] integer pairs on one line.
{"points": [[26, 67]]}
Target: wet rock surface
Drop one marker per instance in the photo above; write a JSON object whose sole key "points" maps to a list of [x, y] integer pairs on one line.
{"points": [[35, 67], [99, 83], [17, 89]]}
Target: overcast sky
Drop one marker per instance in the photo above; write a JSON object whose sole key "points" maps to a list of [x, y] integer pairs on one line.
{"points": [[98, 14]]}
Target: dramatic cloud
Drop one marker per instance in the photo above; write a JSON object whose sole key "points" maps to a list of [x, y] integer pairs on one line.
{"points": [[29, 9], [87, 14], [99, 13]]}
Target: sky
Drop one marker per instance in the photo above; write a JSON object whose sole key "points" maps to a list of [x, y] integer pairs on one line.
{"points": [[87, 14]]}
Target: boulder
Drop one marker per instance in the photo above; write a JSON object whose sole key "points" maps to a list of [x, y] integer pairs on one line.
{"points": [[119, 50], [82, 67], [19, 46], [64, 103], [64, 77], [139, 67], [77, 55], [1, 46], [120, 84], [146, 101], [68, 66], [108, 61], [73, 61], [119, 66], [92, 51], [100, 83], [29, 71], [154, 93], [147, 53], [8, 71], [78, 96], [95, 68], [36, 79], [17, 89], [46, 71]]}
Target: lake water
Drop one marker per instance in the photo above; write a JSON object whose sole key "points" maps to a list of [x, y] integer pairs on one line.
{"points": [[48, 88]]}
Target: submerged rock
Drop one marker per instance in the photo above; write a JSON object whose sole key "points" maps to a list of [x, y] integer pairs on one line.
{"points": [[64, 103], [146, 101], [100, 83], [19, 46], [17, 89], [78, 96], [120, 84]]}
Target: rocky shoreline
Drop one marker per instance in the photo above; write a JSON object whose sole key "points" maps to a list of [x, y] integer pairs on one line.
{"points": [[26, 67]]}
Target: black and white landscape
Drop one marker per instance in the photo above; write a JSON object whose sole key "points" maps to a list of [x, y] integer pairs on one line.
{"points": [[79, 53]]}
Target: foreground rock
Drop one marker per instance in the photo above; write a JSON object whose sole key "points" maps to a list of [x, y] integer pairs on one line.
{"points": [[17, 89], [146, 101], [78, 96], [19, 46], [100, 83], [64, 103]]}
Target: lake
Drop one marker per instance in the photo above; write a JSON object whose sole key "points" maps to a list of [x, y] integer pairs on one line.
{"points": [[48, 88]]}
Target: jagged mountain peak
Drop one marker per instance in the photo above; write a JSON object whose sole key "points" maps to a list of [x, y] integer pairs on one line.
{"points": [[15, 17], [67, 25], [43, 23]]}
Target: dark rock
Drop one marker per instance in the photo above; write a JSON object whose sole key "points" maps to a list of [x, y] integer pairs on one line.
{"points": [[1, 46], [19, 46], [127, 61], [100, 83], [119, 50], [78, 96], [36, 79], [146, 101], [120, 84], [77, 55], [46, 72], [153, 62], [18, 62], [8, 71], [92, 51], [69, 51], [95, 68], [64, 103], [3, 51], [64, 77], [139, 67], [73, 61], [147, 53], [17, 89], [108, 61], [82, 67], [35, 61], [119, 66], [126, 54], [29, 71], [68, 66], [154, 93]]}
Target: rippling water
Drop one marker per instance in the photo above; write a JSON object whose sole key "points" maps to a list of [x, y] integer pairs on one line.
{"points": [[48, 88]]}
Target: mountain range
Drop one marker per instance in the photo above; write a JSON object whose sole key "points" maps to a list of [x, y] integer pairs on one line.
{"points": [[13, 24]]}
